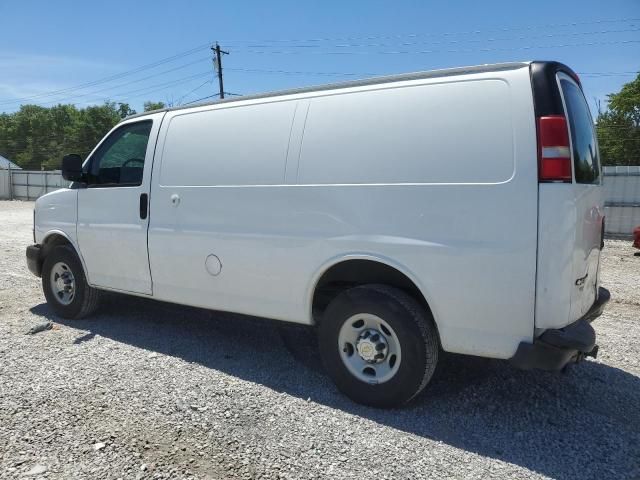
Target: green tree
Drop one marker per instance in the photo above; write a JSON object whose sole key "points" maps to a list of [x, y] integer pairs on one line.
{"points": [[148, 106], [37, 137], [619, 126], [124, 110], [32, 136], [93, 123]]}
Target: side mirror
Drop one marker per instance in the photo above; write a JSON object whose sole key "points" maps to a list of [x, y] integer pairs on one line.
{"points": [[72, 168]]}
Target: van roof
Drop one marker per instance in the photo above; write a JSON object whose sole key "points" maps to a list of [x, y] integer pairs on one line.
{"points": [[352, 83]]}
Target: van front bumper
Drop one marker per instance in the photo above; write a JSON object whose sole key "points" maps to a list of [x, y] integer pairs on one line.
{"points": [[33, 260], [555, 348]]}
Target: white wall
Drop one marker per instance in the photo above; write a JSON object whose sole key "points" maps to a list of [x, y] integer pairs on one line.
{"points": [[4, 184], [29, 184], [622, 196]]}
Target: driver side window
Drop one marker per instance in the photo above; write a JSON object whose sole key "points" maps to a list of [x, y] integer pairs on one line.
{"points": [[119, 161]]}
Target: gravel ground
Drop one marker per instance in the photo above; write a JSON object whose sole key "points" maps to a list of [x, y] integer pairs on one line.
{"points": [[149, 390]]}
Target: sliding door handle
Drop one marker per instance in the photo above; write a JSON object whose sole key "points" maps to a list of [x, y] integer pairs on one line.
{"points": [[144, 205]]}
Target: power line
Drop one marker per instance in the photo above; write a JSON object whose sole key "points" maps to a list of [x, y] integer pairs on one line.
{"points": [[87, 94], [203, 46], [153, 88], [212, 96], [289, 72], [203, 98], [438, 34], [421, 52], [608, 74], [116, 76], [120, 97], [285, 72], [192, 91], [430, 42], [157, 87]]}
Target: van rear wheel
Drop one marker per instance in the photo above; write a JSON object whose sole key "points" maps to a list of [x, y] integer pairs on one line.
{"points": [[379, 345], [65, 286]]}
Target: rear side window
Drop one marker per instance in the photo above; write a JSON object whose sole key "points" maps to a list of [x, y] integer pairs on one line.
{"points": [[585, 149]]}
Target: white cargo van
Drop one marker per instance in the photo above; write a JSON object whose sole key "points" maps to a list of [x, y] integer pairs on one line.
{"points": [[457, 210]]}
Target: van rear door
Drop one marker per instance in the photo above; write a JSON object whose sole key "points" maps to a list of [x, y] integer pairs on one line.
{"points": [[570, 198], [587, 196]]}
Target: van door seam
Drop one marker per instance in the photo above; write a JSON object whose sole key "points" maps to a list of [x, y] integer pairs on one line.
{"points": [[304, 126], [153, 157], [286, 157]]}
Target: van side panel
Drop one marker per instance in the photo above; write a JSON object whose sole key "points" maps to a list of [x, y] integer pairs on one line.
{"points": [[232, 146], [420, 181], [411, 135]]}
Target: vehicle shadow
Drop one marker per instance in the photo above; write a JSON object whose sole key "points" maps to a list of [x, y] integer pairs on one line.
{"points": [[583, 424]]}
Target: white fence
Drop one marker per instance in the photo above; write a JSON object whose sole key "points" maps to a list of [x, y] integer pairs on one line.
{"points": [[622, 199], [29, 184], [5, 185]]}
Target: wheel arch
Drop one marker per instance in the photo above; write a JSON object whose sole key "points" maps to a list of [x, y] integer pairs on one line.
{"points": [[54, 238], [359, 269]]}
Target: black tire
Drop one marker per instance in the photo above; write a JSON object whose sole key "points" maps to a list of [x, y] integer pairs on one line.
{"points": [[416, 334], [85, 299], [302, 343]]}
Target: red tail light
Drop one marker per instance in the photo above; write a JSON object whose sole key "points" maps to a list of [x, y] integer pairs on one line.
{"points": [[554, 153]]}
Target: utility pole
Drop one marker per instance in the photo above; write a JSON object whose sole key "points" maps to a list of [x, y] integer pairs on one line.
{"points": [[217, 64]]}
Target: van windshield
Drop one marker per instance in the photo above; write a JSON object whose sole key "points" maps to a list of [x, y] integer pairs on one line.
{"points": [[585, 149]]}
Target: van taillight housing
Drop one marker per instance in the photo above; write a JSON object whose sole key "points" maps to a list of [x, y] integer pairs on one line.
{"points": [[554, 152]]}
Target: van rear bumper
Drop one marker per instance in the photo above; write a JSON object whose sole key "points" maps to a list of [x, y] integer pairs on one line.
{"points": [[555, 348]]}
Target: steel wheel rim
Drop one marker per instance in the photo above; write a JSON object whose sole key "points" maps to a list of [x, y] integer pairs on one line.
{"points": [[63, 283], [355, 340]]}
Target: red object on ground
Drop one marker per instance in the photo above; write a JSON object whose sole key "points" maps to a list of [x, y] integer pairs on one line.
{"points": [[636, 237]]}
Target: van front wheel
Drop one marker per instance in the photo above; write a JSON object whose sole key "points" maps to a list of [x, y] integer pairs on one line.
{"points": [[379, 345], [65, 286]]}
